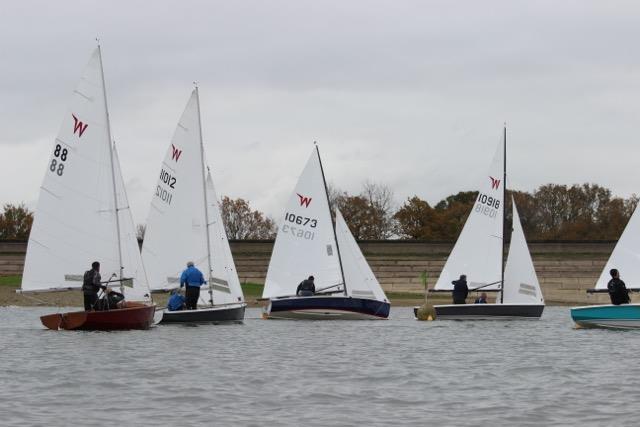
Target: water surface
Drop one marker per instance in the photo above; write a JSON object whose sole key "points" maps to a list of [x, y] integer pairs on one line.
{"points": [[291, 373]]}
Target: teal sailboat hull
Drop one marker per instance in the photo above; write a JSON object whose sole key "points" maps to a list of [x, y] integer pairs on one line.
{"points": [[625, 316]]}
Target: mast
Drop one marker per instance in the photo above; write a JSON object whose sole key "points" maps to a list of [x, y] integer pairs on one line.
{"points": [[335, 237], [204, 193], [504, 202], [113, 173]]}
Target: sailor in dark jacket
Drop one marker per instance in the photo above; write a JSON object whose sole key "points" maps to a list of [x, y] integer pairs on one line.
{"points": [[91, 286], [617, 289], [460, 290], [306, 288]]}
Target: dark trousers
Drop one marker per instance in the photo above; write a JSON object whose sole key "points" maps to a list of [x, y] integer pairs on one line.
{"points": [[191, 295], [90, 301]]}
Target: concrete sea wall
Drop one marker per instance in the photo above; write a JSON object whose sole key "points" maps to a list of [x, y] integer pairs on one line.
{"points": [[565, 269]]}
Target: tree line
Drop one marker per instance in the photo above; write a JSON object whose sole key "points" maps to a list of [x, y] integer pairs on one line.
{"points": [[551, 212]]}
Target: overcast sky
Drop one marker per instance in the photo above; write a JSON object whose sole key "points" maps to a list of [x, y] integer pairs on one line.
{"points": [[412, 94]]}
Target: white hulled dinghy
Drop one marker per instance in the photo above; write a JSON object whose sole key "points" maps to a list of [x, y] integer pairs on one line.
{"points": [[625, 258], [478, 253], [308, 244], [83, 215], [185, 224]]}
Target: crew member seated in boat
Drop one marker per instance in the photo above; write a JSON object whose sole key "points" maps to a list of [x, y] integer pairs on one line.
{"points": [[91, 286], [617, 289], [460, 290], [111, 300], [306, 288], [482, 299], [176, 301], [192, 279]]}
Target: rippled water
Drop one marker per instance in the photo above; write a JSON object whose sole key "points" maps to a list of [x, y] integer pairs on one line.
{"points": [[395, 372]]}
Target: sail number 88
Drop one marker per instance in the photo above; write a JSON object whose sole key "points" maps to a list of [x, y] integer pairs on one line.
{"points": [[57, 163]]}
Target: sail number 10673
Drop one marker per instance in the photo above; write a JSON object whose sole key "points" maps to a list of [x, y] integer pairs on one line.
{"points": [[300, 220]]}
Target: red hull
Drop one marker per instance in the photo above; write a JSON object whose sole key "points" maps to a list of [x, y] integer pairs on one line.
{"points": [[134, 316]]}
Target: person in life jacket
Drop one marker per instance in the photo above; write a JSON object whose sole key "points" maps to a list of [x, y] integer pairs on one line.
{"points": [[91, 286], [460, 290], [110, 301], [192, 279], [618, 291], [482, 299], [176, 301], [306, 288]]}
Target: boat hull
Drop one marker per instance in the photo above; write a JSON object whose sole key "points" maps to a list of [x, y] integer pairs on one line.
{"points": [[625, 316], [326, 308], [133, 316], [216, 314], [488, 311]]}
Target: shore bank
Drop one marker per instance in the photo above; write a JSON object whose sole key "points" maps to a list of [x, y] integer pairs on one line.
{"points": [[252, 291]]}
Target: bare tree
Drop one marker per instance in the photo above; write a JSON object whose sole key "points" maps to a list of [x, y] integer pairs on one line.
{"points": [[380, 199]]}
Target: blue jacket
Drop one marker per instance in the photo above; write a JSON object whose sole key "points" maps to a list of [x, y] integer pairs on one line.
{"points": [[176, 302], [192, 277]]}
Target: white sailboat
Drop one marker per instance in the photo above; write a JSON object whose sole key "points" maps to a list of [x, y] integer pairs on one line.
{"points": [[185, 224], [625, 258], [478, 254], [308, 244], [83, 216]]}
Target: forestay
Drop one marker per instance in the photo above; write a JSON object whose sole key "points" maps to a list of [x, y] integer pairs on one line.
{"points": [[75, 218], [521, 282], [176, 225], [478, 250], [305, 243], [361, 282], [625, 256]]}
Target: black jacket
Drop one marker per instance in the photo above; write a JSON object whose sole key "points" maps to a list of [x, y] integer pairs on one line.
{"points": [[618, 292], [91, 282], [460, 291], [306, 285]]}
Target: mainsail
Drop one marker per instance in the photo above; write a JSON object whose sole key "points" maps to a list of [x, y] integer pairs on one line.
{"points": [[625, 256], [361, 282], [478, 250], [177, 223], [82, 201], [521, 282], [305, 244]]}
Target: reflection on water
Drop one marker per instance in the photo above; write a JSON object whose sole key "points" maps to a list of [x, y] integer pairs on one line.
{"points": [[394, 372]]}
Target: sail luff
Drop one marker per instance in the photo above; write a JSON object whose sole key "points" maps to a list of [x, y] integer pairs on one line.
{"points": [[504, 203], [204, 194], [113, 177], [333, 225]]}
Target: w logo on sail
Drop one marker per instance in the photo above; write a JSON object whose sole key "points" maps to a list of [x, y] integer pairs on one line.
{"points": [[78, 126], [304, 200], [495, 183], [175, 153]]}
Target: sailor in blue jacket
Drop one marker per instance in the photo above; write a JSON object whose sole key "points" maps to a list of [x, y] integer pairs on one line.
{"points": [[192, 279], [176, 301]]}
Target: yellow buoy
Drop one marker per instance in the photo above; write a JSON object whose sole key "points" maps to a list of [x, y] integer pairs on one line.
{"points": [[426, 312]]}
